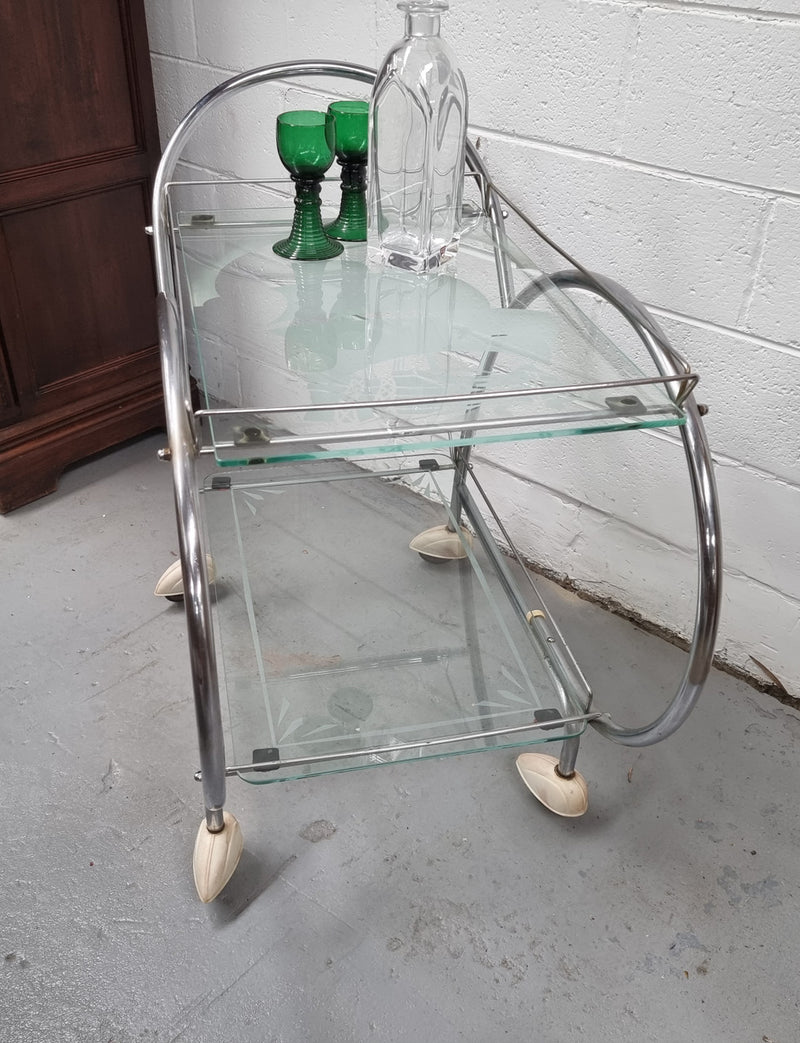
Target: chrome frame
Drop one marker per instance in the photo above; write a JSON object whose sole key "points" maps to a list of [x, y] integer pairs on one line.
{"points": [[706, 508], [185, 448], [401, 747], [394, 403]]}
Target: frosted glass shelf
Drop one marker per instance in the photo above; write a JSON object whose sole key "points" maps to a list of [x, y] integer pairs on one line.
{"points": [[341, 648], [340, 358]]}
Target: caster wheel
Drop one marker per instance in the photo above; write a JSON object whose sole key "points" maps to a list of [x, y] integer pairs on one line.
{"points": [[566, 797], [216, 856], [439, 544], [170, 585]]}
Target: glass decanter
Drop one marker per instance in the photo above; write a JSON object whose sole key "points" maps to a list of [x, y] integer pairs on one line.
{"points": [[417, 133]]}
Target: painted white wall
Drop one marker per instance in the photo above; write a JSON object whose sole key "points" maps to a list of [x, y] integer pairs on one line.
{"points": [[660, 143]]}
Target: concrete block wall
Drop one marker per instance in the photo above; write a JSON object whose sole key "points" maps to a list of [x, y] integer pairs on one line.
{"points": [[658, 142]]}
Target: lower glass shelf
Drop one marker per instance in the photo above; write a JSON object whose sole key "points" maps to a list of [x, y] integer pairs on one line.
{"points": [[341, 648]]}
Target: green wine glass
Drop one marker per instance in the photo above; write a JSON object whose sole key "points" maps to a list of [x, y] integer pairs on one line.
{"points": [[305, 146], [351, 132]]}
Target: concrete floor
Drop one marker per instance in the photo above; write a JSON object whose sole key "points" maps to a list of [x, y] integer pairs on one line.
{"points": [[428, 901]]}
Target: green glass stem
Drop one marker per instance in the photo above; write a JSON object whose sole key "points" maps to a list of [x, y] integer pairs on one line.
{"points": [[307, 240], [351, 224]]}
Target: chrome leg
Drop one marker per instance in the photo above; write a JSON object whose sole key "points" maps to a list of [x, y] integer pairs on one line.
{"points": [[568, 757], [201, 652], [215, 820], [460, 456], [218, 846]]}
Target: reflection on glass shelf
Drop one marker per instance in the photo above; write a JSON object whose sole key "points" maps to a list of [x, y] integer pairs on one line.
{"points": [[300, 360], [336, 638]]}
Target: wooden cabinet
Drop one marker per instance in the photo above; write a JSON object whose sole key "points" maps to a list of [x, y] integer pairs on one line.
{"points": [[79, 363]]}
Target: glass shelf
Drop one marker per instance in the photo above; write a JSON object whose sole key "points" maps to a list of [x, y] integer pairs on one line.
{"points": [[339, 358], [341, 648]]}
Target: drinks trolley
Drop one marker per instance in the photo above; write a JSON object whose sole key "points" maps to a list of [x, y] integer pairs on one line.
{"points": [[308, 405]]}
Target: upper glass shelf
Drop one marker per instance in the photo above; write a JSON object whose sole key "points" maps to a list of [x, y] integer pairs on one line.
{"points": [[340, 358]]}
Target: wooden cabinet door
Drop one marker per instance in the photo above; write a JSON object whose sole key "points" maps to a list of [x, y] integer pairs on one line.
{"points": [[79, 367]]}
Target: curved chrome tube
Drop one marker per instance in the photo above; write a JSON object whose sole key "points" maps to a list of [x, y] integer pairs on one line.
{"points": [[620, 298], [704, 495], [195, 576]]}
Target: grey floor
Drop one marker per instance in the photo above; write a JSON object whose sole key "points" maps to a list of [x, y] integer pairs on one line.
{"points": [[432, 901]]}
